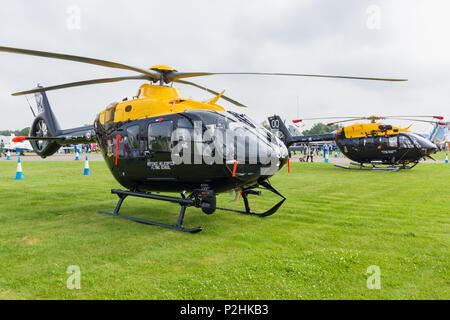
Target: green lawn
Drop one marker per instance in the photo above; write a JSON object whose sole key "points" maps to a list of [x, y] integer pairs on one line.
{"points": [[440, 155], [334, 225]]}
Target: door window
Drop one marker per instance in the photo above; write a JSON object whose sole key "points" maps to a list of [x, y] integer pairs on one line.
{"points": [[381, 142], [416, 141], [405, 142], [133, 136], [159, 136], [393, 142]]}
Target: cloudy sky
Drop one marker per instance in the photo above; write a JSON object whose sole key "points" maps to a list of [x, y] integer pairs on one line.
{"points": [[400, 39]]}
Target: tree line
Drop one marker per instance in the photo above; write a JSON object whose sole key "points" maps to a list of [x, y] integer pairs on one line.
{"points": [[23, 132], [318, 128]]}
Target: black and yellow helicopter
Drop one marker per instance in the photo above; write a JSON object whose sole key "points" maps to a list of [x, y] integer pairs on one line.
{"points": [[138, 139], [380, 146]]}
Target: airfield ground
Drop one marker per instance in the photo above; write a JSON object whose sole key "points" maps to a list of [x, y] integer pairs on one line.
{"points": [[96, 156], [335, 225]]}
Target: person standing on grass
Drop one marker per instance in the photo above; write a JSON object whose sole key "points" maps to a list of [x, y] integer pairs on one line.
{"points": [[2, 146], [309, 152]]}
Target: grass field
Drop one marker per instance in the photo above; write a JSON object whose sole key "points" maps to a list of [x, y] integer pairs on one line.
{"points": [[440, 155], [334, 225]]}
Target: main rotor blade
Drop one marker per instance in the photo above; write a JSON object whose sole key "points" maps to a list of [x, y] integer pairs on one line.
{"points": [[324, 118], [82, 83], [368, 118], [341, 121], [212, 91], [419, 120], [178, 75], [347, 119], [434, 117], [153, 74]]}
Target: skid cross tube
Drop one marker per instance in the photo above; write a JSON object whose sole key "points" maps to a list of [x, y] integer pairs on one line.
{"points": [[184, 202], [245, 192]]}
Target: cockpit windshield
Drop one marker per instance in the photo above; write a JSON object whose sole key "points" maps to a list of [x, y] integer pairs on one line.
{"points": [[264, 134], [214, 121], [237, 132], [418, 140]]}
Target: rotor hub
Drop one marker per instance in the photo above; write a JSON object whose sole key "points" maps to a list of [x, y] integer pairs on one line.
{"points": [[164, 71], [162, 68]]}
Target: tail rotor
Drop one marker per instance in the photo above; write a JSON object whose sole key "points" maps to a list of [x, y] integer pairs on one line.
{"points": [[45, 126]]}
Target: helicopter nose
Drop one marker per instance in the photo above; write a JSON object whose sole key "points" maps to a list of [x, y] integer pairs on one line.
{"points": [[431, 148], [434, 148]]}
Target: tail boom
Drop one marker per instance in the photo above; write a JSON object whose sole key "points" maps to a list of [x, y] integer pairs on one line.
{"points": [[276, 124], [46, 136]]}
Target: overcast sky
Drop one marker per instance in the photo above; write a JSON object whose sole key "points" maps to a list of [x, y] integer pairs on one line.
{"points": [[400, 39]]}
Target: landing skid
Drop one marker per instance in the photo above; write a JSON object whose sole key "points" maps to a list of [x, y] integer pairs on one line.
{"points": [[251, 190], [374, 167], [194, 199], [407, 166], [184, 202]]}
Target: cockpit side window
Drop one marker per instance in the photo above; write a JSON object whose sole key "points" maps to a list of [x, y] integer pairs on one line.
{"points": [[231, 123], [184, 123], [393, 143], [159, 136], [184, 131], [133, 136], [418, 140], [415, 141], [368, 142], [109, 116], [382, 142], [405, 142]]}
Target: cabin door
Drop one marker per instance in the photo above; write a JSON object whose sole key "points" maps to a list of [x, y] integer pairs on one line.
{"points": [[158, 155]]}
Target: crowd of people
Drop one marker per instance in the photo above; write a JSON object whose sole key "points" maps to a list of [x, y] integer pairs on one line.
{"points": [[310, 150], [86, 148], [80, 148]]}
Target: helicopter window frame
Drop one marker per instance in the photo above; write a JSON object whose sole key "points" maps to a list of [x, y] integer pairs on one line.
{"points": [[109, 115], [393, 142], [160, 141], [369, 142], [133, 134], [183, 130], [417, 139], [416, 142], [382, 142], [183, 122], [405, 142]]}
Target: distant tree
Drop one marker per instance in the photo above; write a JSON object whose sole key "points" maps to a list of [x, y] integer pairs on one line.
{"points": [[320, 128], [5, 133], [23, 132]]}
